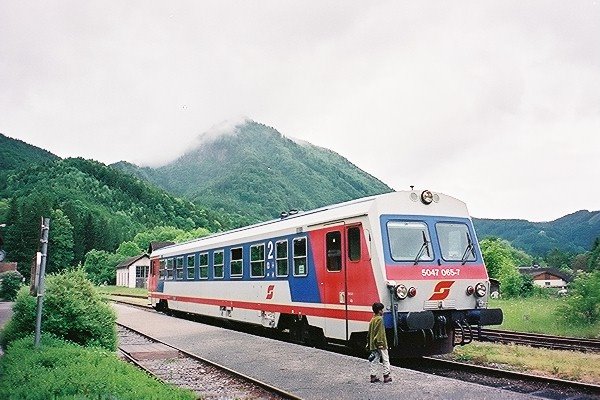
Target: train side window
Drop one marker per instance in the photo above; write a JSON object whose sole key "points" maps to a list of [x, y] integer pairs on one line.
{"points": [[179, 265], [170, 266], [191, 261], [282, 258], [300, 265], [163, 268], [203, 266], [257, 261], [354, 243], [218, 264], [333, 248], [236, 262]]}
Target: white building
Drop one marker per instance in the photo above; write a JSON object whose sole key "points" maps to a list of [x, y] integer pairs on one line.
{"points": [[133, 272], [546, 277]]}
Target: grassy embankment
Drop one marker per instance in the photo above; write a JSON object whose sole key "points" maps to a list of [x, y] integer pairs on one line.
{"points": [[538, 316], [124, 291]]}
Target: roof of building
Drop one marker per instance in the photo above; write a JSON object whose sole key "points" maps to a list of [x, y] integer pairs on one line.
{"points": [[158, 245], [536, 270], [128, 261]]}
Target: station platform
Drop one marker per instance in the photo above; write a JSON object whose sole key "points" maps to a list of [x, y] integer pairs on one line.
{"points": [[305, 372]]}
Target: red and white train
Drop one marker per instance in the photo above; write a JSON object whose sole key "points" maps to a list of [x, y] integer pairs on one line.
{"points": [[317, 273]]}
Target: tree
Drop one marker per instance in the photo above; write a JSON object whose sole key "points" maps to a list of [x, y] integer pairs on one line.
{"points": [[583, 303], [502, 261], [129, 249], [60, 242], [558, 259], [594, 260], [100, 266]]}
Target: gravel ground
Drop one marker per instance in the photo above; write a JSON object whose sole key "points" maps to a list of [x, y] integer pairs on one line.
{"points": [[207, 381]]}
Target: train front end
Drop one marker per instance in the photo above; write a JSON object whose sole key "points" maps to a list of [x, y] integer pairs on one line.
{"points": [[435, 278]]}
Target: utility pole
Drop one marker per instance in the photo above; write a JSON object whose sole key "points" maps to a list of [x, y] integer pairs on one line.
{"points": [[40, 291]]}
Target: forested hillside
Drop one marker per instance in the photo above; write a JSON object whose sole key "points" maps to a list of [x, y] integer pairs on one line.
{"points": [[573, 233], [256, 172], [91, 205]]}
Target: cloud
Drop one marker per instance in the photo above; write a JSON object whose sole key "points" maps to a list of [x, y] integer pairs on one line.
{"points": [[453, 96]]}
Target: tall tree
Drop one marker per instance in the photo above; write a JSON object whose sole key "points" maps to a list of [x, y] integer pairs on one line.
{"points": [[60, 243]]}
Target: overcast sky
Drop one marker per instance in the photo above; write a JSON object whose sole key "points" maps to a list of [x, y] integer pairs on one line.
{"points": [[495, 103]]}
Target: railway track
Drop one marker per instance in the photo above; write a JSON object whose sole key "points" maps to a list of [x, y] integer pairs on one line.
{"points": [[539, 340], [540, 386], [177, 366]]}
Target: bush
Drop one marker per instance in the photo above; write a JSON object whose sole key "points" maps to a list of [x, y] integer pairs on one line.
{"points": [[61, 371], [583, 302], [10, 282], [73, 311]]}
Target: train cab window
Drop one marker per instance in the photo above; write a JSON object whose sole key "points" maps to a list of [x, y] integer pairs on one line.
{"points": [[203, 266], [281, 257], [300, 265], [333, 243], [162, 269], [409, 241], [191, 261], [456, 242], [257, 261], [236, 262], [179, 266], [218, 264], [170, 267], [354, 243]]}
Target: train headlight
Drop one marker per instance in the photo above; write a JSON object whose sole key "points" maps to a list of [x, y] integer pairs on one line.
{"points": [[480, 289], [426, 197], [401, 292], [412, 292], [470, 290]]}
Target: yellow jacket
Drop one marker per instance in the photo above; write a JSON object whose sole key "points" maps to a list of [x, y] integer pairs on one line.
{"points": [[377, 338]]}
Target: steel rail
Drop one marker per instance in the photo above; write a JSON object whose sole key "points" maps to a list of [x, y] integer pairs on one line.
{"points": [[517, 377], [540, 340], [250, 379]]}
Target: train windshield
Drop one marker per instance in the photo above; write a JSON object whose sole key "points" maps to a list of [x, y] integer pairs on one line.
{"points": [[409, 241], [456, 243]]}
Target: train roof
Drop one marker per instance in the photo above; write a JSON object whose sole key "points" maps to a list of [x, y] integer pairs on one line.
{"points": [[396, 203]]}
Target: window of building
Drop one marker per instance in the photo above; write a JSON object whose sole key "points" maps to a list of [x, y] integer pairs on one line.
{"points": [[300, 265], [203, 267], [162, 269], [236, 262], [179, 267], [333, 246], [191, 261], [282, 257], [218, 264], [141, 271], [257, 261], [170, 266], [354, 243]]}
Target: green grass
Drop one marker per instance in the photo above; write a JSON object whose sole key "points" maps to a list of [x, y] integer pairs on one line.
{"points": [[572, 365], [63, 371], [539, 315], [121, 290]]}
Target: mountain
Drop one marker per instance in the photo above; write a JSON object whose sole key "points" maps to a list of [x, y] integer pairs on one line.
{"points": [[573, 233], [97, 206], [256, 172], [16, 154]]}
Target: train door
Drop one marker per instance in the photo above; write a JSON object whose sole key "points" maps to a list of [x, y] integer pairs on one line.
{"points": [[334, 282]]}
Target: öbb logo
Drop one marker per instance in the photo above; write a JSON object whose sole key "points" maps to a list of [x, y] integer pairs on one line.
{"points": [[441, 290], [270, 290]]}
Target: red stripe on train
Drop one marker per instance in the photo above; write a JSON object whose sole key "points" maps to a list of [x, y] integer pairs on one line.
{"points": [[280, 308], [436, 272]]}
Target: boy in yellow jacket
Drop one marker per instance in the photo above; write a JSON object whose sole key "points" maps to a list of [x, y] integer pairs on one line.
{"points": [[378, 345]]}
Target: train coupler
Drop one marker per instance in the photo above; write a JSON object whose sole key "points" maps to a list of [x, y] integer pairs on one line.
{"points": [[462, 330]]}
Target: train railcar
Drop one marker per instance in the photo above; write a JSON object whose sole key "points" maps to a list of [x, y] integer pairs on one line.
{"points": [[317, 273]]}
